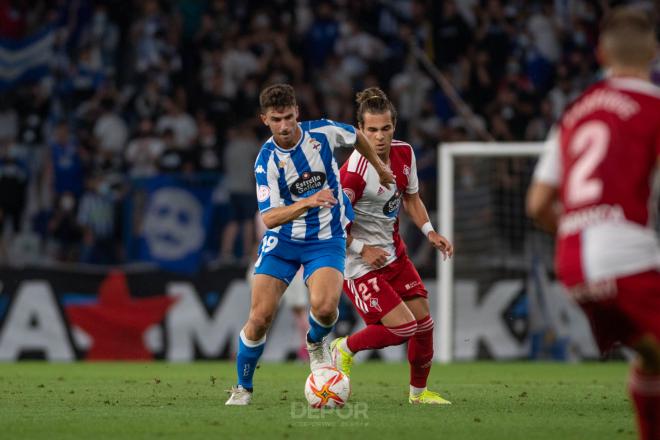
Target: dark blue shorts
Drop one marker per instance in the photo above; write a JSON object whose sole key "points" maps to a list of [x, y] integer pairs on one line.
{"points": [[242, 206]]}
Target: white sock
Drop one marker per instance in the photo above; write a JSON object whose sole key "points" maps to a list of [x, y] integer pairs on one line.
{"points": [[416, 391], [344, 346]]}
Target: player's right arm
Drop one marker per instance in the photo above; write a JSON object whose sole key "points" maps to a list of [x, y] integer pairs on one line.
{"points": [[352, 180], [268, 195], [275, 217], [372, 255], [543, 194]]}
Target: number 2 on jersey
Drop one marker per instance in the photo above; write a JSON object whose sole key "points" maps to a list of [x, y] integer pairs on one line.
{"points": [[589, 145]]}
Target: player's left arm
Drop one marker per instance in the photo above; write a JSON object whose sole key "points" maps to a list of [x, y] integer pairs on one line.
{"points": [[414, 207], [542, 204], [416, 210]]}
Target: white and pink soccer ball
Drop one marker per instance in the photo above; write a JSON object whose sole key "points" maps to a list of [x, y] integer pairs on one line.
{"points": [[327, 387]]}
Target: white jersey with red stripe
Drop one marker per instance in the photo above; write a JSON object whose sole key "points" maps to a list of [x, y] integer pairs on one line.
{"points": [[602, 158], [376, 208]]}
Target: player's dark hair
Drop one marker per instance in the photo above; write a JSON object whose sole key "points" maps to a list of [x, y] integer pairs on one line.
{"points": [[373, 100], [277, 96], [628, 35]]}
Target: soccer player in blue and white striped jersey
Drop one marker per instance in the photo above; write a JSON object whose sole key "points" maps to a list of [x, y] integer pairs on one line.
{"points": [[303, 205]]}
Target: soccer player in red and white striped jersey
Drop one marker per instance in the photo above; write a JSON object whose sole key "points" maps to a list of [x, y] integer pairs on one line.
{"points": [[380, 280], [598, 164]]}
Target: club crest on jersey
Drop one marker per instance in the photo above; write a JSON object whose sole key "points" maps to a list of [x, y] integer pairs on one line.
{"points": [[391, 207], [263, 192], [380, 190], [373, 302], [308, 183]]}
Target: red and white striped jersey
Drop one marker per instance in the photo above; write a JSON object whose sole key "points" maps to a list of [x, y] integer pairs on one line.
{"points": [[602, 159], [376, 208]]}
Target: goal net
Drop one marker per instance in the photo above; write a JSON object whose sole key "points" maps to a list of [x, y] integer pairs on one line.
{"points": [[495, 298]]}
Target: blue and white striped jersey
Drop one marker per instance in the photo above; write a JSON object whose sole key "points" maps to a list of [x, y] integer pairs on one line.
{"points": [[285, 176]]}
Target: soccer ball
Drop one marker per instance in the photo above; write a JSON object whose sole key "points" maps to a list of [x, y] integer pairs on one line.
{"points": [[327, 387]]}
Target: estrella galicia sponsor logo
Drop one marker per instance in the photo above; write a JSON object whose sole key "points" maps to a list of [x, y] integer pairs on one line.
{"points": [[391, 207], [308, 183]]}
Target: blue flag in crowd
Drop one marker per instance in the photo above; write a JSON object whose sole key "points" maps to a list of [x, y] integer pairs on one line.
{"points": [[175, 220], [27, 59]]}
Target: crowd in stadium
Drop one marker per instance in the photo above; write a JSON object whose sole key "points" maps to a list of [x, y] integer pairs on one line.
{"points": [[172, 86]]}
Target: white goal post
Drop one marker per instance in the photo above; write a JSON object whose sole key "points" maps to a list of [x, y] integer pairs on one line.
{"points": [[447, 153]]}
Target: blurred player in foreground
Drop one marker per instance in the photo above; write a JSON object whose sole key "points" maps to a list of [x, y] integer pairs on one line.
{"points": [[381, 281], [598, 165], [302, 204]]}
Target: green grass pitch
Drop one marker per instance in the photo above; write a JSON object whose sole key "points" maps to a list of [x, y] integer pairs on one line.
{"points": [[186, 401]]}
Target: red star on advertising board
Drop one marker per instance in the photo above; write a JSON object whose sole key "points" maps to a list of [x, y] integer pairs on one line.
{"points": [[117, 322]]}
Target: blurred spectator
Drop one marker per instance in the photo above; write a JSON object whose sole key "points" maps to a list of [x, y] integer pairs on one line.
{"points": [[540, 125], [335, 86], [96, 221], [104, 38], [207, 148], [238, 62], [217, 104], [149, 101], [63, 231], [143, 152], [481, 84], [33, 107], [493, 34], [149, 37], [452, 34], [358, 49], [562, 93], [239, 156], [183, 125], [86, 75], [110, 130], [544, 33], [8, 119], [409, 90], [14, 176], [210, 32], [175, 159], [321, 35], [66, 164]]}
